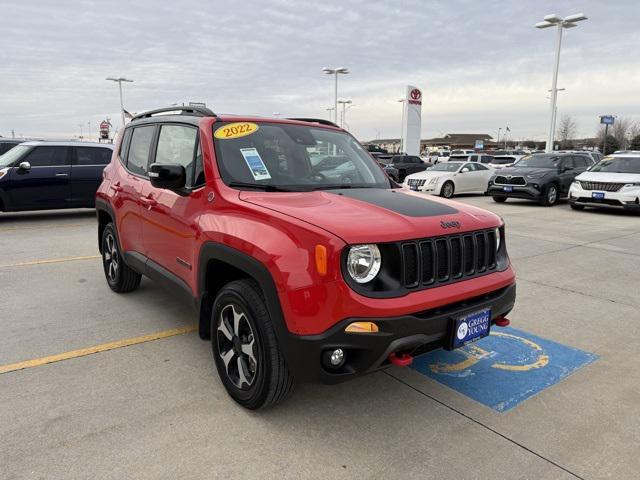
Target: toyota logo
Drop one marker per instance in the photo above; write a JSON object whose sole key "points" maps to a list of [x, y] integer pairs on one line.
{"points": [[416, 94]]}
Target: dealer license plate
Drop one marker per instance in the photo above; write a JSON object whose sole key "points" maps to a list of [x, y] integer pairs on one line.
{"points": [[597, 195], [507, 189], [470, 328]]}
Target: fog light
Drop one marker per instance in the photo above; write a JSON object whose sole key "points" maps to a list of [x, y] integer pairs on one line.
{"points": [[334, 358], [337, 357]]}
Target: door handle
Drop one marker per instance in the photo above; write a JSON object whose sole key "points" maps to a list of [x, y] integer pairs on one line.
{"points": [[116, 187], [148, 201], [62, 174]]}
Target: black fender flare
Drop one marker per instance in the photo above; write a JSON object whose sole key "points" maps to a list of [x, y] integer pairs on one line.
{"points": [[253, 268]]}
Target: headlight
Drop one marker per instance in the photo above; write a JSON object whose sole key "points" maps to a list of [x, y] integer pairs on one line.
{"points": [[626, 185], [497, 239], [3, 172], [537, 175], [433, 180], [363, 262]]}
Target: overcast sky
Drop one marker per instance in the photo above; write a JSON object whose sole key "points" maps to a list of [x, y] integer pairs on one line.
{"points": [[481, 64]]}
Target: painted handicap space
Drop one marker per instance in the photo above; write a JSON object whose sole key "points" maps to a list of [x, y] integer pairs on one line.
{"points": [[503, 369]]}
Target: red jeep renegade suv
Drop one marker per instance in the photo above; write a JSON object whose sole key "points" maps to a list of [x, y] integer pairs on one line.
{"points": [[303, 260]]}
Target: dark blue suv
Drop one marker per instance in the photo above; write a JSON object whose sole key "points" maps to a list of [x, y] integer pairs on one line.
{"points": [[49, 175]]}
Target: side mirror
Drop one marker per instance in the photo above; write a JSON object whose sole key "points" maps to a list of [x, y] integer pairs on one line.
{"points": [[464, 170], [167, 176], [24, 166]]}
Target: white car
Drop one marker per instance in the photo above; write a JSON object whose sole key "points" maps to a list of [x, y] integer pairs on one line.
{"points": [[613, 182], [504, 159], [448, 178]]}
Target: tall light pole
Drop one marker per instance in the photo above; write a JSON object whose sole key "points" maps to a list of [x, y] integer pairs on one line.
{"points": [[336, 72], [554, 20], [81, 135], [554, 119], [119, 81], [330, 109], [404, 103], [344, 104]]}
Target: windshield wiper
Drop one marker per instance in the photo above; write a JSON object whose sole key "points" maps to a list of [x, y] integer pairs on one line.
{"points": [[340, 187], [260, 186]]}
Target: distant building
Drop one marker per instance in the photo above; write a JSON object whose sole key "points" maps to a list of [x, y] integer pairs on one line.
{"points": [[451, 140]]}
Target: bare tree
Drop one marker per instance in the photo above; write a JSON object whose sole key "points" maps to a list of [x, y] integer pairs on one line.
{"points": [[620, 129], [566, 131]]}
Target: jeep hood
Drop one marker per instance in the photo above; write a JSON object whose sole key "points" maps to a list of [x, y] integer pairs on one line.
{"points": [[372, 215]]}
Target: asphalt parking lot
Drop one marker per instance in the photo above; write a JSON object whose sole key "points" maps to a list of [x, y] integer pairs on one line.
{"points": [[156, 408]]}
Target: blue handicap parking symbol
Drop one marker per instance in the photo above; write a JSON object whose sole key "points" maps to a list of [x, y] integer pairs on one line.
{"points": [[503, 369]]}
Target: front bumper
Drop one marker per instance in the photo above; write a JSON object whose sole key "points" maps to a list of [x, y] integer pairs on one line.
{"points": [[366, 352], [627, 198], [529, 191]]}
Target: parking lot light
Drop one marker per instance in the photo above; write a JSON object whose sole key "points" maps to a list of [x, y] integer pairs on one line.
{"points": [[336, 72], [554, 20], [119, 81]]}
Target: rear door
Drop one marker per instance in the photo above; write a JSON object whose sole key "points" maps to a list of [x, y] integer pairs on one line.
{"points": [[567, 172], [46, 184], [128, 185], [87, 164]]}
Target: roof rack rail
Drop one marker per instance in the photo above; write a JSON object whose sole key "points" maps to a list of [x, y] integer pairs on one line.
{"points": [[184, 110], [321, 121]]}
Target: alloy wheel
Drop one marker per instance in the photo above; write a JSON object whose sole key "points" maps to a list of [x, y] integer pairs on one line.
{"points": [[552, 195], [237, 346], [111, 257]]}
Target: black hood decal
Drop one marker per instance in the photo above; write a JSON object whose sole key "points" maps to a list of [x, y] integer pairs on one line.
{"points": [[398, 202]]}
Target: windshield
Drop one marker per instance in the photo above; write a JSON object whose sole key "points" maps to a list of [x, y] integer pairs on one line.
{"points": [[13, 155], [503, 160], [613, 165], [443, 154], [539, 161], [276, 156], [446, 167]]}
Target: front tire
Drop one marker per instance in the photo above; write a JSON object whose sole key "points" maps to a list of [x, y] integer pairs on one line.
{"points": [[499, 199], [550, 195], [119, 276], [245, 349], [447, 189]]}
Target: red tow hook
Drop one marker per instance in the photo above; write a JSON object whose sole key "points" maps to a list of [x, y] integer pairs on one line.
{"points": [[501, 322], [400, 359]]}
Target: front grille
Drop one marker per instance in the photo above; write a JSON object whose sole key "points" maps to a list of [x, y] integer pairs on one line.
{"points": [[416, 182], [509, 180], [601, 186], [448, 259]]}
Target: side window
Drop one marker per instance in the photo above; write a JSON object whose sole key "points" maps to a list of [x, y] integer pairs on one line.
{"points": [[124, 145], [177, 145], [469, 166], [198, 174], [138, 155], [480, 167], [47, 157], [92, 156], [581, 162], [415, 160], [568, 162], [486, 159]]}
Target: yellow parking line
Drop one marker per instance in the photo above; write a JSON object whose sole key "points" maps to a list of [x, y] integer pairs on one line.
{"points": [[43, 227], [36, 362], [52, 260]]}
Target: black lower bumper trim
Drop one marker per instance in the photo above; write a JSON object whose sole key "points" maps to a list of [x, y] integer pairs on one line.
{"points": [[422, 331]]}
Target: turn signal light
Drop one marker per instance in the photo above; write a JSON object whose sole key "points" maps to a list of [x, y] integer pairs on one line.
{"points": [[362, 327], [321, 259]]}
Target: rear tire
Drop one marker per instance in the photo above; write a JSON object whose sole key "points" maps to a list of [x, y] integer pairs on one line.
{"points": [[499, 199], [245, 349], [550, 195], [447, 189], [120, 278]]}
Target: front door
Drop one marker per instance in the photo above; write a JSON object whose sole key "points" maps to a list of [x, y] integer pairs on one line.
{"points": [[45, 185], [169, 217]]}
